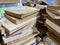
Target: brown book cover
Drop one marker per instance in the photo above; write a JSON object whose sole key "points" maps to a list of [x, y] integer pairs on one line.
{"points": [[18, 21], [9, 1], [53, 28], [52, 15], [21, 12]]}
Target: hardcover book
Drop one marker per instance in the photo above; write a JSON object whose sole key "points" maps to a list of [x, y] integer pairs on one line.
{"points": [[21, 12], [18, 21], [55, 29], [52, 15]]}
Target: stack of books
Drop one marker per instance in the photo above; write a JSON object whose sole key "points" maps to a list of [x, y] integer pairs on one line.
{"points": [[53, 24], [18, 26]]}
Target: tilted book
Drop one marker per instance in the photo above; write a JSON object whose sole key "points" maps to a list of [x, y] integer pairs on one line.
{"points": [[11, 28], [55, 29], [55, 21], [53, 15], [18, 21], [54, 38], [20, 34], [23, 39], [57, 12], [21, 12]]}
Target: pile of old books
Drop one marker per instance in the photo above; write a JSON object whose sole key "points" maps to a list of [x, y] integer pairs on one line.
{"points": [[18, 26], [53, 24]]}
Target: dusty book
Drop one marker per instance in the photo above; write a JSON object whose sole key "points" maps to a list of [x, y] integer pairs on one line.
{"points": [[18, 21], [53, 15], [21, 12], [6, 34], [54, 38], [23, 39], [55, 29], [49, 41], [53, 7], [57, 12], [55, 21], [19, 34], [11, 28]]}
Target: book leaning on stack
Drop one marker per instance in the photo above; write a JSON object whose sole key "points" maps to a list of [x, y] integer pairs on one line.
{"points": [[53, 24], [17, 26]]}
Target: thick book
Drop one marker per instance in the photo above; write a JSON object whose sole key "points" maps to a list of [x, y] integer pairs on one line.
{"points": [[55, 21], [11, 28], [20, 34], [30, 25], [55, 29], [31, 41], [21, 12], [53, 15], [18, 21], [23, 39], [49, 41], [54, 38], [57, 12], [53, 7]]}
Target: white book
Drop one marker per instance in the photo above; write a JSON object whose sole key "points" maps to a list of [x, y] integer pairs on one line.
{"points": [[53, 26], [23, 33], [12, 27], [54, 16]]}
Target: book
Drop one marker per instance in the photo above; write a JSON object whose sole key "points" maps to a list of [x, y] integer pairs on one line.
{"points": [[18, 21], [24, 39], [21, 12], [57, 2], [55, 29], [54, 16], [57, 12], [54, 38], [53, 7], [49, 41], [20, 34], [55, 21], [11, 28], [29, 42], [30, 25]]}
